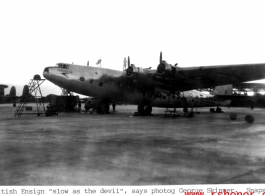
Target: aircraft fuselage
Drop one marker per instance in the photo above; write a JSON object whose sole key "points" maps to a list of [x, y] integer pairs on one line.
{"points": [[114, 86]]}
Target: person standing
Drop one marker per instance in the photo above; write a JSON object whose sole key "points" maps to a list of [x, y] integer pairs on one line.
{"points": [[113, 106], [79, 106]]}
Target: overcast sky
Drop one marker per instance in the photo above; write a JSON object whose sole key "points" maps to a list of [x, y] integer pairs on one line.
{"points": [[36, 34]]}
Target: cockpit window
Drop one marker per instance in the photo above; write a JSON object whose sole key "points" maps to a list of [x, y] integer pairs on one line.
{"points": [[61, 65]]}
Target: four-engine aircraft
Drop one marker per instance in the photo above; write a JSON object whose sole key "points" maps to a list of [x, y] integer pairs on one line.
{"points": [[148, 87]]}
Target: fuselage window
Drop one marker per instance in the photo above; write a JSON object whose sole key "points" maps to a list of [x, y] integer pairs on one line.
{"points": [[63, 66], [91, 81]]}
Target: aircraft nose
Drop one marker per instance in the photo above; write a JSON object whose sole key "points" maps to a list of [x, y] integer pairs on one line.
{"points": [[46, 72]]}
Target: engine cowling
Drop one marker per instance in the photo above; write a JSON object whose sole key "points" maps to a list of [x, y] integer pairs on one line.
{"points": [[165, 68], [132, 69]]}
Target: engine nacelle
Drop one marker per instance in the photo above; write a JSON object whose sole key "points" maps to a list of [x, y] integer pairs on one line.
{"points": [[132, 69], [165, 68]]}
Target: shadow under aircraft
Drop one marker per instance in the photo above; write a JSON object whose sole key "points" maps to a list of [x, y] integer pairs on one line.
{"points": [[168, 86]]}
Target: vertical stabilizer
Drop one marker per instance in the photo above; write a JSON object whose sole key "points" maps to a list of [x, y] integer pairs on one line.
{"points": [[25, 91], [12, 91]]}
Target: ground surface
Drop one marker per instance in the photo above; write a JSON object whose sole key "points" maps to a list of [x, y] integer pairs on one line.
{"points": [[119, 149]]}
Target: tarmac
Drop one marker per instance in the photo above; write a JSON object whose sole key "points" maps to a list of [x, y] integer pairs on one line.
{"points": [[122, 149]]}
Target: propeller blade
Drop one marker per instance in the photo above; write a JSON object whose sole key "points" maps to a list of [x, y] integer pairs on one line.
{"points": [[128, 61], [160, 59]]}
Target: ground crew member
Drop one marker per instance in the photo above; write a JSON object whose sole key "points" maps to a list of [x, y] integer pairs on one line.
{"points": [[79, 105], [113, 106]]}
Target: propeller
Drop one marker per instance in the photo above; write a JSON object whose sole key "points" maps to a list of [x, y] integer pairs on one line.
{"points": [[128, 62], [133, 69], [161, 66], [165, 67], [129, 70]]}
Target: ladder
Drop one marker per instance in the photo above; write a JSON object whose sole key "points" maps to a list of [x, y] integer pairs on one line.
{"points": [[33, 88]]}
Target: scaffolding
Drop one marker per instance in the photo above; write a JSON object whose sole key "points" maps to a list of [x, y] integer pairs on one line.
{"points": [[33, 91], [173, 104], [171, 113]]}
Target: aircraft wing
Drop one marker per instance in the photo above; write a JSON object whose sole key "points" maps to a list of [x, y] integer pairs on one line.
{"points": [[180, 78]]}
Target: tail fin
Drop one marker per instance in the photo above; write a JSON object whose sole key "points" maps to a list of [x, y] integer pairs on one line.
{"points": [[12, 91], [223, 90], [25, 91]]}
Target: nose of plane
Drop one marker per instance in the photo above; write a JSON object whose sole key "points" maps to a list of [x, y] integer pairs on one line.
{"points": [[46, 72]]}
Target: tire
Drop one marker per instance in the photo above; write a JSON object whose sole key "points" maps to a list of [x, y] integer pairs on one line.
{"points": [[148, 109], [103, 108], [212, 110], [140, 109], [144, 108]]}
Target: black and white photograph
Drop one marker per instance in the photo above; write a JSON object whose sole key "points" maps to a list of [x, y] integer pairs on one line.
{"points": [[132, 93]]}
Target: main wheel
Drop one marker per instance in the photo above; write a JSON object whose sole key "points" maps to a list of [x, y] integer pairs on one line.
{"points": [[144, 108], [103, 108], [148, 109]]}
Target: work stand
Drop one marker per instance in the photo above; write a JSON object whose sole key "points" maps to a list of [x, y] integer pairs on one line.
{"points": [[34, 93], [175, 113], [171, 113]]}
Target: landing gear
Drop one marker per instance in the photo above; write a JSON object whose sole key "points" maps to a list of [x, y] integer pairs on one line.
{"points": [[144, 108], [103, 108], [217, 110]]}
